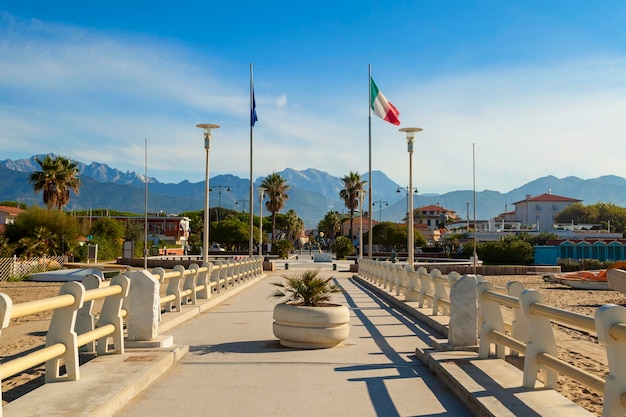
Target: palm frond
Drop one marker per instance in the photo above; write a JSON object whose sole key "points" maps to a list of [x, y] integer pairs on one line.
{"points": [[306, 288]]}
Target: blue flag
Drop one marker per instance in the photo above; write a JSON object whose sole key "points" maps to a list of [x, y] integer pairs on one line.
{"points": [[253, 118]]}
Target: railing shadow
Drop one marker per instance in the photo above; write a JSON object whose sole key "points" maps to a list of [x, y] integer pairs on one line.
{"points": [[406, 367]]}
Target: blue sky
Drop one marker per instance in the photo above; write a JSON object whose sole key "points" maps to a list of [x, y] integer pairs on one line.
{"points": [[538, 86]]}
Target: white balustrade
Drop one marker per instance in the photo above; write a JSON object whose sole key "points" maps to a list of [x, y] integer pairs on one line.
{"points": [[74, 326], [530, 332]]}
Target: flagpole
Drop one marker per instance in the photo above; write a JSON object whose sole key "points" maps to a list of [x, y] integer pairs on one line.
{"points": [[250, 197], [369, 194], [474, 256], [145, 222]]}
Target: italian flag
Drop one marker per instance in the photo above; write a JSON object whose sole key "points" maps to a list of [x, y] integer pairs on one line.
{"points": [[383, 108]]}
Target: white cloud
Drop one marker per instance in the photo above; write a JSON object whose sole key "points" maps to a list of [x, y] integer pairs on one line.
{"points": [[95, 97], [281, 101]]}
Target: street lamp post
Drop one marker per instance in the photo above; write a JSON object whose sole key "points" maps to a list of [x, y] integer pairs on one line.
{"points": [[261, 196], [207, 147], [380, 209], [361, 194], [407, 197], [243, 204], [219, 193], [410, 140]]}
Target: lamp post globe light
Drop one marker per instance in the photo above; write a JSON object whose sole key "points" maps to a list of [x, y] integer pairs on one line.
{"points": [[207, 128], [243, 204], [410, 140], [380, 209], [219, 192], [399, 190]]}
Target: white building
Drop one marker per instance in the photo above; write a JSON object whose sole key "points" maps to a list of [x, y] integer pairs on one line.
{"points": [[538, 212]]}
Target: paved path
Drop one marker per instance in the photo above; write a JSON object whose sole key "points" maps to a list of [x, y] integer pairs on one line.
{"points": [[236, 367]]}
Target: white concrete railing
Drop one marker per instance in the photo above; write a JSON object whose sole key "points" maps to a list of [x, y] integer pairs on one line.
{"points": [[540, 348], [184, 287], [72, 326], [530, 332], [201, 282], [134, 297], [427, 289]]}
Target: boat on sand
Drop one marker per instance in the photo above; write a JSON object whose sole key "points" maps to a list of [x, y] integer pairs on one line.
{"points": [[589, 279], [62, 275]]}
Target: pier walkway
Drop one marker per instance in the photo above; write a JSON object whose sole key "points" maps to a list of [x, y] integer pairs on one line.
{"points": [[236, 367], [225, 361]]}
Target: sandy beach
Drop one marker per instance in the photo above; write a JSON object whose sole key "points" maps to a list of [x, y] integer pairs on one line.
{"points": [[579, 348]]}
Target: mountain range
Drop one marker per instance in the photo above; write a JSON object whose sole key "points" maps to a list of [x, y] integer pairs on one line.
{"points": [[312, 192]]}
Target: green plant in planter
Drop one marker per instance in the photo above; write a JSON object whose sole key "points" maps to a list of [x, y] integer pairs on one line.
{"points": [[306, 289]]}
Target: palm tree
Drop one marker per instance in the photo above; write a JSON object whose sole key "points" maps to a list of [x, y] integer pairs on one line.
{"points": [[69, 180], [295, 225], [352, 183], [330, 225], [46, 180], [57, 177], [275, 188]]}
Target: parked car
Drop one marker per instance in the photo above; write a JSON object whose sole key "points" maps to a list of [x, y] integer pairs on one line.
{"points": [[216, 247]]}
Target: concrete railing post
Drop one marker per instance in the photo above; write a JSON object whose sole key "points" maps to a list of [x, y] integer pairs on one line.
{"points": [[412, 292], [520, 326], [189, 285], [489, 319], [367, 269], [111, 313], [540, 340], [440, 292], [453, 276], [173, 288], [85, 320], [237, 275], [204, 279], [144, 306], [607, 316], [6, 309], [462, 330], [380, 273], [62, 330], [388, 275], [159, 274], [400, 279], [217, 275], [425, 285]]}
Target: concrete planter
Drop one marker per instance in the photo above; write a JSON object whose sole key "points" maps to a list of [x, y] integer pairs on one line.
{"points": [[305, 327]]}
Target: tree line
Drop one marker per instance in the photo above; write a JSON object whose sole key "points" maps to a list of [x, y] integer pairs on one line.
{"points": [[52, 231]]}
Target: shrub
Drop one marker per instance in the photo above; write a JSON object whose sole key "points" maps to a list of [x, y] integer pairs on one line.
{"points": [[283, 247], [343, 247]]}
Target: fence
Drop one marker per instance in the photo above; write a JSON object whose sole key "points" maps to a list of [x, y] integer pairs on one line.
{"points": [[530, 332], [73, 325], [17, 268], [133, 300]]}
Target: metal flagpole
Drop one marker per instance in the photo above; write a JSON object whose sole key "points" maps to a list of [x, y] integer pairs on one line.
{"points": [[369, 194], [145, 222], [474, 257], [251, 197]]}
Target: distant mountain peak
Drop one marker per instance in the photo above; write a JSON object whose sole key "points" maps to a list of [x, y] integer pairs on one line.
{"points": [[98, 171], [313, 192]]}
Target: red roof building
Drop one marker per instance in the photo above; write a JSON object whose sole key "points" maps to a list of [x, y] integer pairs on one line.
{"points": [[433, 215], [8, 215], [538, 212]]}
